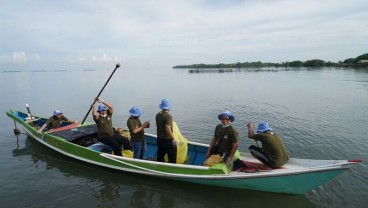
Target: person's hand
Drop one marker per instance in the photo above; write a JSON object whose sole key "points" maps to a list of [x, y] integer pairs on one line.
{"points": [[174, 143], [229, 160], [146, 124], [118, 130], [250, 126], [99, 100]]}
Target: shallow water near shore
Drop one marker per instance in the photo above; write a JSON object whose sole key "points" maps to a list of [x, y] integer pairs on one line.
{"points": [[320, 113]]}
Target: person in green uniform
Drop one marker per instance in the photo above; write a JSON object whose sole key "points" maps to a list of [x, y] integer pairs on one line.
{"points": [[225, 139], [105, 131], [55, 121], [166, 143], [136, 129], [273, 152]]}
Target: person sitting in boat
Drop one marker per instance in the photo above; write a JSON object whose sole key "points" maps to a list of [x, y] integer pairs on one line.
{"points": [[136, 129], [273, 152], [105, 132], [55, 121], [225, 139], [166, 143]]}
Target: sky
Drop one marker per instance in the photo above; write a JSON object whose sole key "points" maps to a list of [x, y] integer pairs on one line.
{"points": [[165, 33]]}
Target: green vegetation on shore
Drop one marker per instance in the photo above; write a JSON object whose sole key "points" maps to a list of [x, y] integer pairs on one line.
{"points": [[359, 61]]}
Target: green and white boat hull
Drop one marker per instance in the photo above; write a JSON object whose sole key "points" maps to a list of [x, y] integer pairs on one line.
{"points": [[298, 176]]}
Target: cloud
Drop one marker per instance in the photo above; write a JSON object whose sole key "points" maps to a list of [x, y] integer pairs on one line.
{"points": [[96, 59], [20, 57], [35, 57], [184, 32]]}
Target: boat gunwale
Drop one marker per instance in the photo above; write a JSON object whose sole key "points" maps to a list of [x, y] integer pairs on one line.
{"points": [[294, 173], [344, 164], [237, 175]]}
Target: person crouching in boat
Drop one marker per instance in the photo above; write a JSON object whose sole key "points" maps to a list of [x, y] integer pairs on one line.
{"points": [[136, 129], [273, 152], [55, 121], [105, 131], [225, 139]]}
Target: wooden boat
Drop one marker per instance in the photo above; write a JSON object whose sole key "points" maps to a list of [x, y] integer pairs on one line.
{"points": [[298, 176]]}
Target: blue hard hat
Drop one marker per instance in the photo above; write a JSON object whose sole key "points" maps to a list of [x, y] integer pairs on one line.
{"points": [[165, 104], [57, 112], [101, 108], [263, 126], [227, 114], [135, 111]]}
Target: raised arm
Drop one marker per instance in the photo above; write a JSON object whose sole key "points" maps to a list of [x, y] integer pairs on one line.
{"points": [[94, 113], [250, 130], [108, 105]]}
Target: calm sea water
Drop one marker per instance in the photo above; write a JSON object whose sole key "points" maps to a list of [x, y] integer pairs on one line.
{"points": [[320, 113]]}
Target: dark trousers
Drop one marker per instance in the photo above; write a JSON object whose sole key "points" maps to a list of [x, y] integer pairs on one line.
{"points": [[166, 146], [115, 142], [260, 155]]}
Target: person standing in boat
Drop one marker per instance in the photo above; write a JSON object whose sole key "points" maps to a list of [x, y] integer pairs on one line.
{"points": [[166, 143], [273, 152], [55, 121], [105, 131], [225, 139], [136, 129]]}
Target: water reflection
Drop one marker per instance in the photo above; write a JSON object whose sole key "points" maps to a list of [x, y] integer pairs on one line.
{"points": [[109, 188], [107, 194]]}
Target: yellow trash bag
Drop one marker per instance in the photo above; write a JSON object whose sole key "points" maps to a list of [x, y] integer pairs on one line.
{"points": [[127, 153], [222, 165], [182, 145], [213, 160]]}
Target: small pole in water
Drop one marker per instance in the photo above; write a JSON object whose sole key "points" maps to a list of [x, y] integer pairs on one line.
{"points": [[16, 130], [17, 141]]}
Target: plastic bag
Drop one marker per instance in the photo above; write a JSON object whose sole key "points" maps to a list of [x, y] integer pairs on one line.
{"points": [[222, 165], [127, 153], [182, 145], [213, 160]]}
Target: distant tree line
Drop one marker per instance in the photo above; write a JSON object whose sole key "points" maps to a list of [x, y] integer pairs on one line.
{"points": [[360, 61]]}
